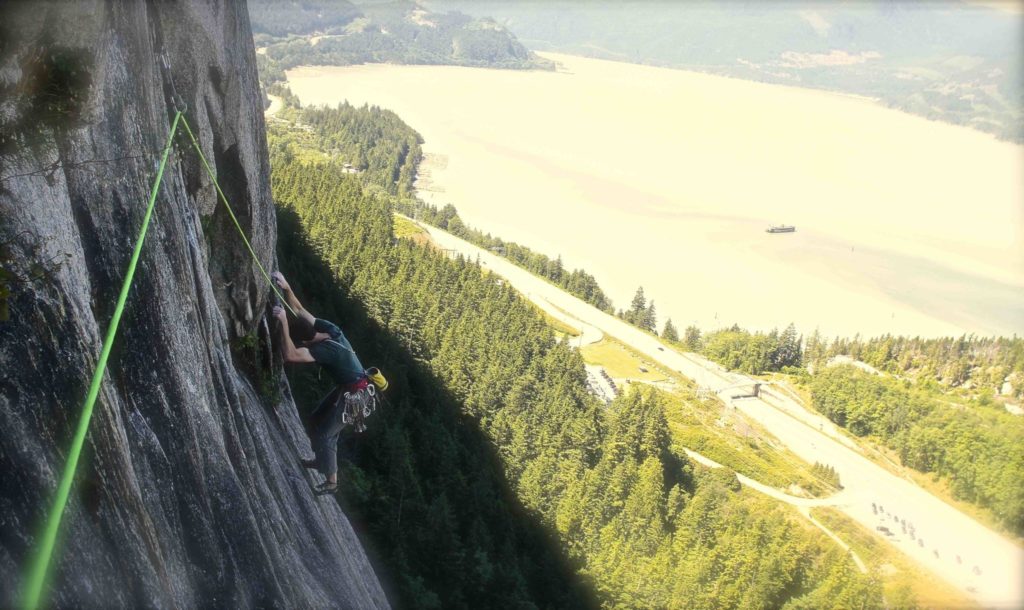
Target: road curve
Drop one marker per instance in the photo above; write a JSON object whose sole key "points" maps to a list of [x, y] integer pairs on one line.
{"points": [[803, 505], [588, 333], [836, 499], [980, 562]]}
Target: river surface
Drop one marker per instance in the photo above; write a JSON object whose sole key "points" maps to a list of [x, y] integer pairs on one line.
{"points": [[667, 179]]}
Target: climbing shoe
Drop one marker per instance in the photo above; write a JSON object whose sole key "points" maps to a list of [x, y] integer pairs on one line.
{"points": [[311, 464], [326, 488]]}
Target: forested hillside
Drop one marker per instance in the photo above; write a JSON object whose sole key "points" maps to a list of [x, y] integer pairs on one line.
{"points": [[986, 364], [425, 482], [384, 149], [338, 33], [958, 62], [492, 478]]}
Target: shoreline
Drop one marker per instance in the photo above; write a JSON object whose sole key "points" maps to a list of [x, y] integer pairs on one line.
{"points": [[579, 191]]}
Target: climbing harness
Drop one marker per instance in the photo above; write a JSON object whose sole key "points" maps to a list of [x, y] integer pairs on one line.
{"points": [[359, 399]]}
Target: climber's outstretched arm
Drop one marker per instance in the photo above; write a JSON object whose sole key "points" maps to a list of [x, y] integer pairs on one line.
{"points": [[289, 295], [291, 353]]}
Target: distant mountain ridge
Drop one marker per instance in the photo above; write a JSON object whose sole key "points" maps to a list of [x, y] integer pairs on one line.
{"points": [[960, 63], [321, 32]]}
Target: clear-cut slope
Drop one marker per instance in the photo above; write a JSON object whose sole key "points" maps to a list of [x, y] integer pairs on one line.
{"points": [[188, 493]]}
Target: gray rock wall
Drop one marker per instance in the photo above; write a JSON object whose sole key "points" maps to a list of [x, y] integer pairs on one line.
{"points": [[188, 493]]}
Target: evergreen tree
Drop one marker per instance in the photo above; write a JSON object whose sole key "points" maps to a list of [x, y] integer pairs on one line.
{"points": [[637, 308], [788, 351], [692, 338], [650, 319], [669, 332], [814, 351]]}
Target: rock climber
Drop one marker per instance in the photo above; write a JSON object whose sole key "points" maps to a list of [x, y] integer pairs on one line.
{"points": [[323, 343]]}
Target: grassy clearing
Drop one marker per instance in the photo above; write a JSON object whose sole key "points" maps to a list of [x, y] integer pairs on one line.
{"points": [[902, 579], [726, 436], [559, 326], [300, 137], [405, 228], [622, 362], [792, 384], [708, 427], [566, 313]]}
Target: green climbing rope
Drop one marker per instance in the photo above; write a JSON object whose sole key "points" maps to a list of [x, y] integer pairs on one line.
{"points": [[231, 212], [40, 567]]}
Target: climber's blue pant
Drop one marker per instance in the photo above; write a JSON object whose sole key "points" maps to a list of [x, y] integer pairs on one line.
{"points": [[326, 430]]}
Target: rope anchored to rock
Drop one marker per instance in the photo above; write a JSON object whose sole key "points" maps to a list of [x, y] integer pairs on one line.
{"points": [[39, 568]]}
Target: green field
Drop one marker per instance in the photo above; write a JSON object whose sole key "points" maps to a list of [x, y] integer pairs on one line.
{"points": [[622, 362], [560, 327], [405, 228], [708, 427], [726, 436]]}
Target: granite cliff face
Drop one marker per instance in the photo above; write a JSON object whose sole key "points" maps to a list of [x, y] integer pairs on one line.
{"points": [[189, 492]]}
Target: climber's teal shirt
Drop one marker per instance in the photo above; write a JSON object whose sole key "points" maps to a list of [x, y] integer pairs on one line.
{"points": [[336, 354]]}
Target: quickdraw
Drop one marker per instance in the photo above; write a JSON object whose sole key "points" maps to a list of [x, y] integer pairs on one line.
{"points": [[359, 405]]}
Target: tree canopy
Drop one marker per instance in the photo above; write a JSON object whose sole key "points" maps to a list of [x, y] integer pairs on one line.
{"points": [[978, 448], [493, 478]]}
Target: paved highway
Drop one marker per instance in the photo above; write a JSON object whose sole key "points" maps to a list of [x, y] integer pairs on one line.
{"points": [[983, 564]]}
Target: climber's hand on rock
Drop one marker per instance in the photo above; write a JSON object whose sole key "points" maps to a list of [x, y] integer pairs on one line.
{"points": [[280, 314], [278, 278]]}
